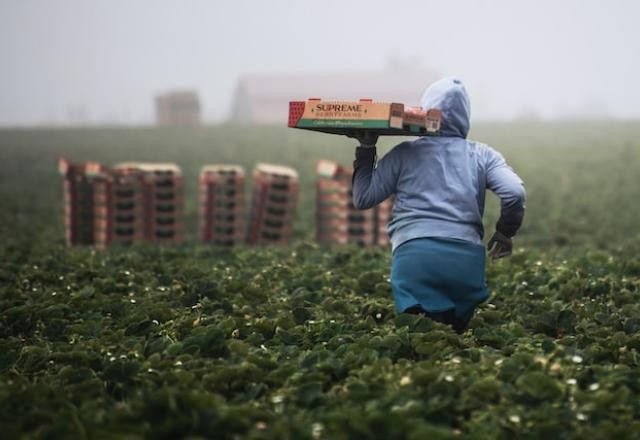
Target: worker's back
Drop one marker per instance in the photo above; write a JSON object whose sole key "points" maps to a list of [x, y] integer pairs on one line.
{"points": [[440, 181], [440, 190]]}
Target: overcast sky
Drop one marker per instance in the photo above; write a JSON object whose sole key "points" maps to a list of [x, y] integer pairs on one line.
{"points": [[103, 61]]}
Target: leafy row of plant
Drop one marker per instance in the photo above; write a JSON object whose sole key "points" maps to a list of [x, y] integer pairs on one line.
{"points": [[304, 343]]}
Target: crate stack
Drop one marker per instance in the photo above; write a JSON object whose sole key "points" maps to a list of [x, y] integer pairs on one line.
{"points": [[383, 218], [273, 209], [362, 226], [163, 201], [79, 181], [333, 202], [337, 219], [221, 205], [121, 210], [130, 203]]}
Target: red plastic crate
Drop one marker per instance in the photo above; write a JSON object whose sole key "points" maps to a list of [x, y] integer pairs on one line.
{"points": [[274, 203], [337, 220], [221, 205], [121, 205]]}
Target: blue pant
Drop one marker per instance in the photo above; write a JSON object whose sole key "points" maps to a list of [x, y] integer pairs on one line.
{"points": [[439, 275]]}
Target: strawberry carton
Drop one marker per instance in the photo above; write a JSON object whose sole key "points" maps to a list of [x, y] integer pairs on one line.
{"points": [[343, 117]]}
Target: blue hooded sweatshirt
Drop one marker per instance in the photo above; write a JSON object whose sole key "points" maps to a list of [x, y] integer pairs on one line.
{"points": [[439, 182]]}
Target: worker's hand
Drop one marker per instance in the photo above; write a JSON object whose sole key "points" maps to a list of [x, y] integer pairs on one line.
{"points": [[499, 246], [365, 137]]}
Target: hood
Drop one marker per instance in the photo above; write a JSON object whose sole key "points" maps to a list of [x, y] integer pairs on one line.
{"points": [[450, 97]]}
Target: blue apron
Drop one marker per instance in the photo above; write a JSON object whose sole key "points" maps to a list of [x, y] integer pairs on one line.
{"points": [[439, 274]]}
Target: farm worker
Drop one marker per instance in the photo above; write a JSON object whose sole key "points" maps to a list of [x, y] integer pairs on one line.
{"points": [[439, 184]]}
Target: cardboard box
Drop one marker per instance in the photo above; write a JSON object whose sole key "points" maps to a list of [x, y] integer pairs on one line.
{"points": [[342, 117]]}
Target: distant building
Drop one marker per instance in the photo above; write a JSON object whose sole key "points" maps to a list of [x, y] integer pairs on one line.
{"points": [[181, 108], [264, 99]]}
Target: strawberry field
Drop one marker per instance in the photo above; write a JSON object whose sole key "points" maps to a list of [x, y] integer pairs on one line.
{"points": [[302, 342]]}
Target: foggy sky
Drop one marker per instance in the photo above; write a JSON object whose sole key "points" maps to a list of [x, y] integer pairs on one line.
{"points": [[103, 61]]}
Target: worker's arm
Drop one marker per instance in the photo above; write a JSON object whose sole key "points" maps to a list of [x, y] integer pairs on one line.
{"points": [[508, 186], [373, 183]]}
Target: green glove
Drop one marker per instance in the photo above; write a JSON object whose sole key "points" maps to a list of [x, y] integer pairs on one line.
{"points": [[367, 139], [499, 246]]}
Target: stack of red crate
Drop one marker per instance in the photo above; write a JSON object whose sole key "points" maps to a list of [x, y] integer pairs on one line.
{"points": [[273, 209], [79, 199], [333, 202], [362, 226], [221, 207], [121, 210], [163, 201], [131, 203], [337, 220], [383, 218]]}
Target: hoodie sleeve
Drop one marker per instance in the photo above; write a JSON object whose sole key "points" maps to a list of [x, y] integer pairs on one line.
{"points": [[508, 186], [372, 184]]}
